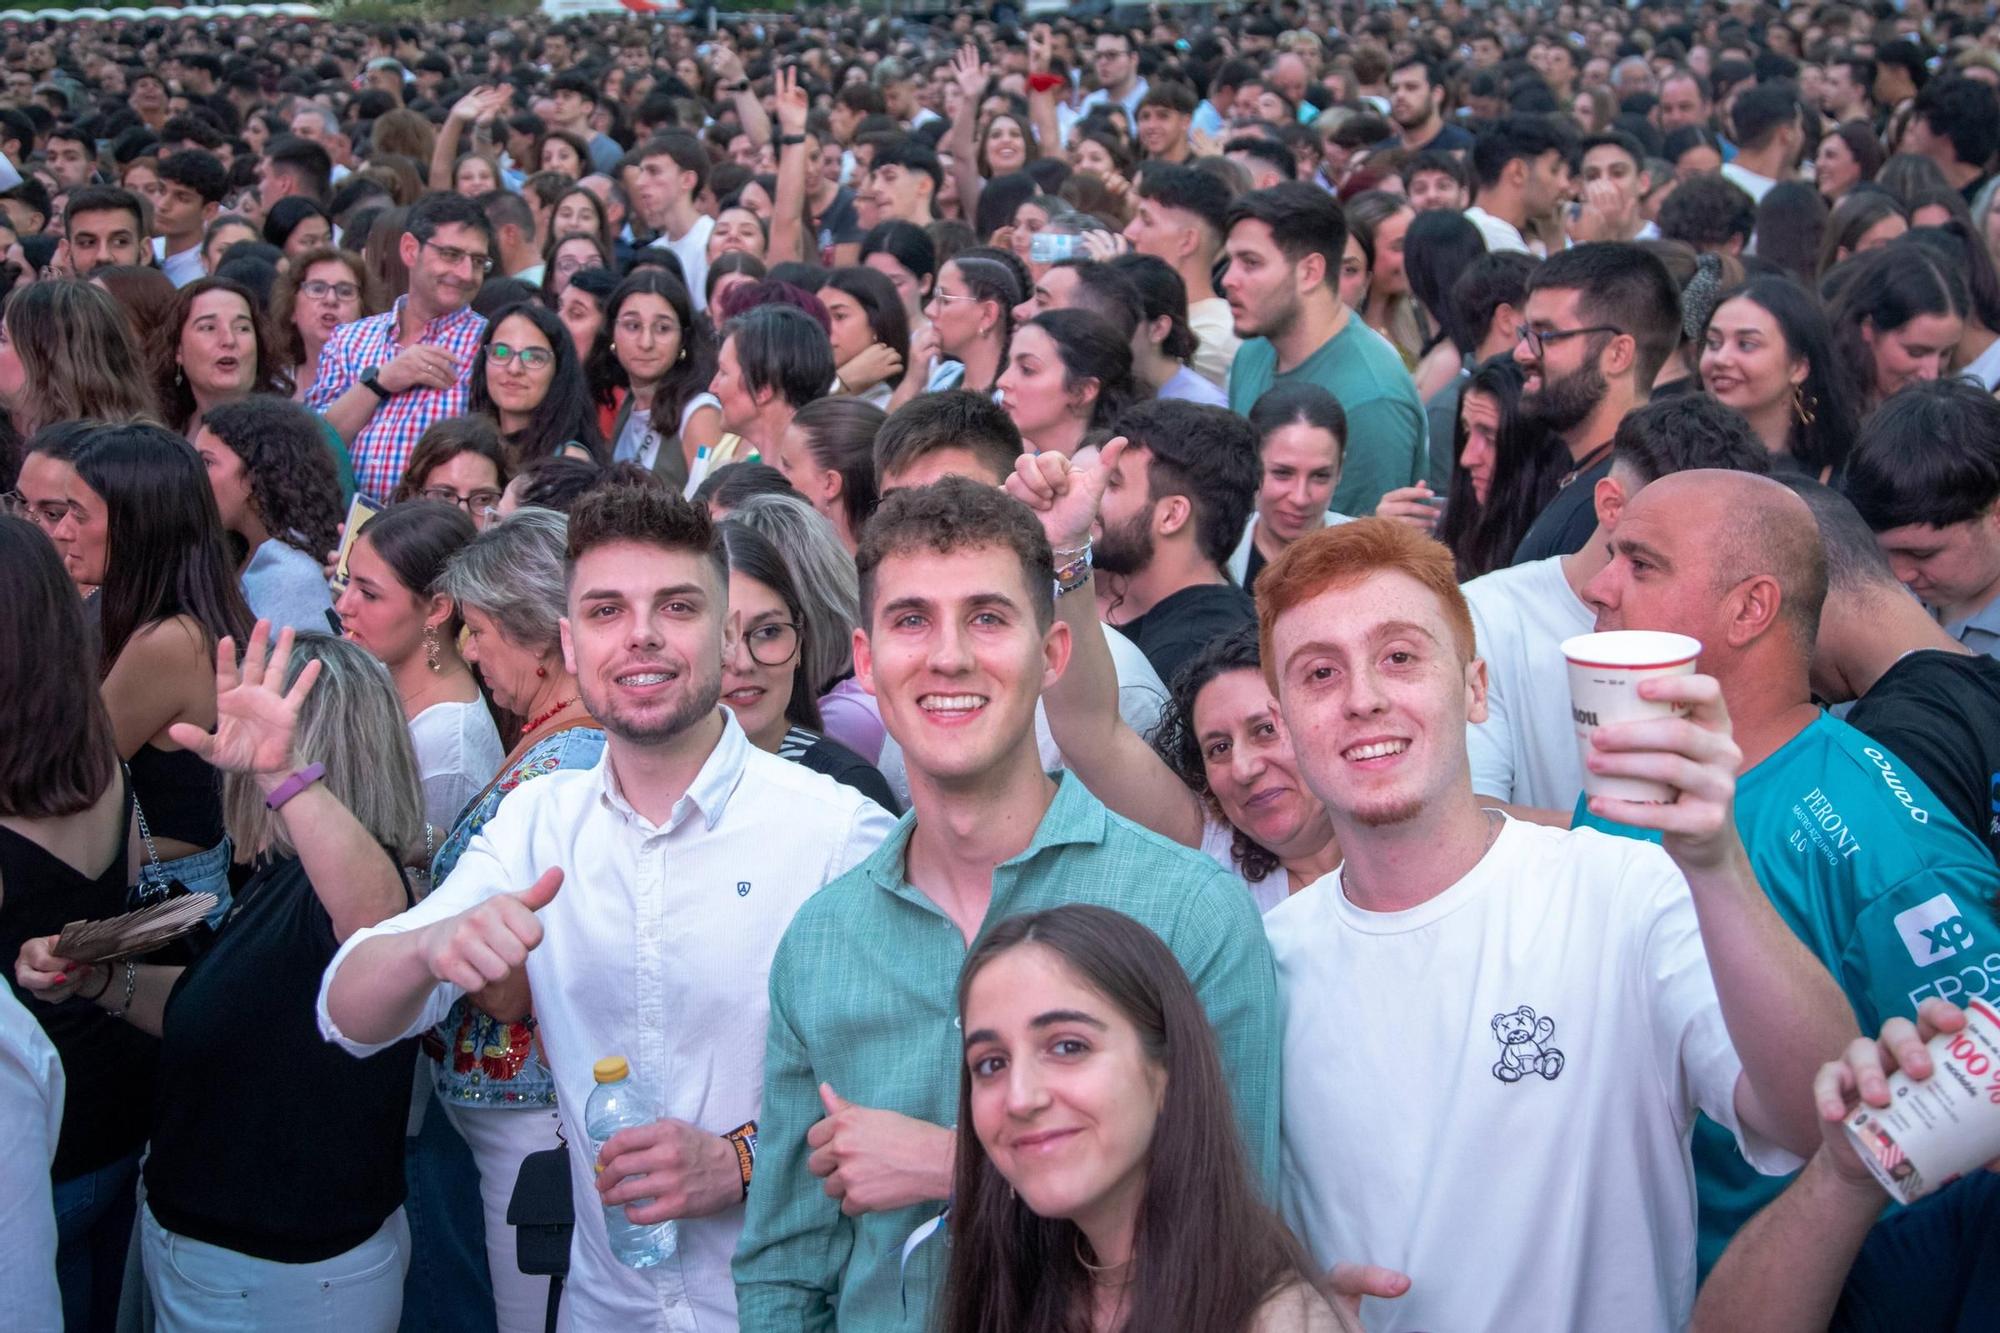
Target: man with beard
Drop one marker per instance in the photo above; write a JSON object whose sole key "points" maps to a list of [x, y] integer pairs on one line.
{"points": [[1173, 508], [1283, 286], [1599, 322], [686, 850], [1416, 104]]}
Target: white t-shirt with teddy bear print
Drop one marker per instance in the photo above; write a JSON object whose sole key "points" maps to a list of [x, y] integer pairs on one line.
{"points": [[1493, 1092]]}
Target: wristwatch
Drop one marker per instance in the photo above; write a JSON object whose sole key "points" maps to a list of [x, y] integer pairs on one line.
{"points": [[370, 377]]}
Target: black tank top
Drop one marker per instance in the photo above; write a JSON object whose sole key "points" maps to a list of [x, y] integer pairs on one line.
{"points": [[180, 794], [109, 1066]]}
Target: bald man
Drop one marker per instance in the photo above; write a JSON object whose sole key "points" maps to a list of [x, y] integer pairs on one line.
{"points": [[1859, 856]]}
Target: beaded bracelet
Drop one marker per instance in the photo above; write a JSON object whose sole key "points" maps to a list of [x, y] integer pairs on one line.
{"points": [[1073, 569]]}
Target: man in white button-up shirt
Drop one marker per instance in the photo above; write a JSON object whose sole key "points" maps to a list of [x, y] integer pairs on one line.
{"points": [[644, 897]]}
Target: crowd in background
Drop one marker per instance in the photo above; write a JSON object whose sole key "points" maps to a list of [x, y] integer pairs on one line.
{"points": [[980, 598]]}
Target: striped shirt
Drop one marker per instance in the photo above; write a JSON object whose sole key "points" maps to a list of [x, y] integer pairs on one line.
{"points": [[383, 446]]}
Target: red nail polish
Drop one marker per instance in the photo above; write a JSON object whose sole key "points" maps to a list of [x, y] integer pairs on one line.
{"points": [[61, 977]]}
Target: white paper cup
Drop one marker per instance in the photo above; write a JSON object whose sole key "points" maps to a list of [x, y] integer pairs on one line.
{"points": [[1933, 1132], [1604, 674]]}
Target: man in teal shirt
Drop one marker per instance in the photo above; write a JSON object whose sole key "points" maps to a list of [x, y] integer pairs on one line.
{"points": [[1283, 288], [1860, 858], [864, 1056]]}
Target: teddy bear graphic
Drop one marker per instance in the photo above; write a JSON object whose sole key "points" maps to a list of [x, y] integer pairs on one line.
{"points": [[1524, 1047]]}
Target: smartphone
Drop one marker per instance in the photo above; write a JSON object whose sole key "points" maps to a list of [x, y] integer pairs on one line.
{"points": [[359, 511]]}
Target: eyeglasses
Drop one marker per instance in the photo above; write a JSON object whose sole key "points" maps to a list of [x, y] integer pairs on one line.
{"points": [[319, 291], [531, 358], [44, 516], [452, 255], [771, 644], [472, 502], [1537, 339]]}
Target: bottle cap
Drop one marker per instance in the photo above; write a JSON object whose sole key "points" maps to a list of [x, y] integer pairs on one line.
{"points": [[610, 1069]]}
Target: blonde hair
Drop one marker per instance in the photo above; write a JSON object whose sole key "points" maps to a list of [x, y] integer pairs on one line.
{"points": [[78, 357], [352, 722]]}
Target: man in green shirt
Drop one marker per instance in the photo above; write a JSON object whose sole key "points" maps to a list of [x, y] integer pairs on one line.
{"points": [[864, 1057], [1283, 287], [1860, 858]]}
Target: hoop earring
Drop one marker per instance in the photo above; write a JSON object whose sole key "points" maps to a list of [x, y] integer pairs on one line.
{"points": [[431, 648], [1801, 407]]}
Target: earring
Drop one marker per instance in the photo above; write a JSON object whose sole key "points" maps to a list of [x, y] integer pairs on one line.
{"points": [[431, 648], [1801, 407], [541, 673], [180, 376]]}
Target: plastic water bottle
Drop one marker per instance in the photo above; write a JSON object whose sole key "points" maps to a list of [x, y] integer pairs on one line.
{"points": [[614, 1105]]}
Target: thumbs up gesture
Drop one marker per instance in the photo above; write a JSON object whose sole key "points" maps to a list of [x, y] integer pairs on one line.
{"points": [[1064, 496], [485, 944], [877, 1161]]}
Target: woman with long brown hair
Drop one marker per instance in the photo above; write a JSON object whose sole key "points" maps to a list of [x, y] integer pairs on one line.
{"points": [[1104, 1185], [67, 352], [212, 349]]}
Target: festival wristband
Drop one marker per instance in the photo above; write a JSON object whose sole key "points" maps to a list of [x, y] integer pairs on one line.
{"points": [[295, 784], [1074, 572], [744, 1140]]}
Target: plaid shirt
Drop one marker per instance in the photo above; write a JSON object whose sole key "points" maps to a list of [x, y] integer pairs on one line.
{"points": [[385, 443]]}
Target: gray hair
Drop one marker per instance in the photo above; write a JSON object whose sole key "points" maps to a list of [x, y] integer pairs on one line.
{"points": [[329, 123], [823, 572], [513, 573], [352, 722]]}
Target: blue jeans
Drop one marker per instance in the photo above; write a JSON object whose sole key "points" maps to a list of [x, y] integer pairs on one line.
{"points": [[201, 1288], [198, 872], [93, 1231], [448, 1288]]}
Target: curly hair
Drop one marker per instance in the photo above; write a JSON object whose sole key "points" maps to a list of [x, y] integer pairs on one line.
{"points": [[1179, 747], [285, 335], [293, 484], [171, 386]]}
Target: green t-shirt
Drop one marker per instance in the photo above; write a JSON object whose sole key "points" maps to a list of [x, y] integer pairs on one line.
{"points": [[1385, 419], [1869, 868]]}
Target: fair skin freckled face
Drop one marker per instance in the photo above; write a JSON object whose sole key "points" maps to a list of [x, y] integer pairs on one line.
{"points": [[1377, 695], [1064, 1097]]}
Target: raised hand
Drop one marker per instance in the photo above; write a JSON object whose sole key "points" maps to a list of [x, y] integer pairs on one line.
{"points": [[485, 944], [1694, 753], [1411, 505], [256, 717], [728, 66], [792, 102], [1041, 49], [971, 74], [1064, 497]]}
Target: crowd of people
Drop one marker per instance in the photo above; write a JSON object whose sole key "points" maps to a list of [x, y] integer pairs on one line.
{"points": [[979, 599]]}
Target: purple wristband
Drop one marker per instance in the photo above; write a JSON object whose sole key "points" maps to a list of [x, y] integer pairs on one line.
{"points": [[295, 784]]}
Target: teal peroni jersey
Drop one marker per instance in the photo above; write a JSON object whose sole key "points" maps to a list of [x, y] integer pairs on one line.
{"points": [[1870, 869]]}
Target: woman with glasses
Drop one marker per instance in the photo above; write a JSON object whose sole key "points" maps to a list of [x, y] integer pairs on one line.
{"points": [[41, 487], [765, 681], [279, 500], [528, 378], [567, 255], [971, 324], [322, 290], [390, 607], [459, 461], [654, 359]]}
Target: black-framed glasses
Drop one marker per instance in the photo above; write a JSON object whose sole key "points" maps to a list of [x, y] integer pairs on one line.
{"points": [[44, 516], [531, 358], [452, 255], [772, 643], [474, 503], [1537, 339]]}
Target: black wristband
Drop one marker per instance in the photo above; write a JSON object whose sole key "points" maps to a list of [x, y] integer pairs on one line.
{"points": [[93, 999], [787, 140]]}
